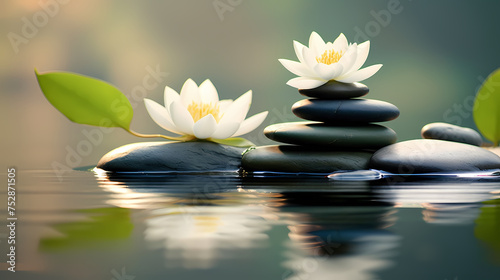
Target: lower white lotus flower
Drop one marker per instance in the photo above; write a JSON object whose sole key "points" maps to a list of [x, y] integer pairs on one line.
{"points": [[197, 112], [322, 62]]}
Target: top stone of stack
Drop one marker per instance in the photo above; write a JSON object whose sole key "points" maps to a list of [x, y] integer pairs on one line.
{"points": [[336, 90]]}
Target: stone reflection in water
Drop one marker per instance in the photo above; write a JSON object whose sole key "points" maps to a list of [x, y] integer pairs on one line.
{"points": [[450, 213], [408, 194], [442, 202], [152, 191], [337, 230], [339, 254]]}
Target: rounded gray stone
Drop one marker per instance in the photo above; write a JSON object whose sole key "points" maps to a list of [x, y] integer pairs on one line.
{"points": [[336, 90], [427, 156], [172, 156], [299, 159], [450, 132], [367, 136], [343, 111]]}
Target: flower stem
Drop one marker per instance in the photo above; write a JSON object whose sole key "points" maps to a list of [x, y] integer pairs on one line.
{"points": [[183, 138]]}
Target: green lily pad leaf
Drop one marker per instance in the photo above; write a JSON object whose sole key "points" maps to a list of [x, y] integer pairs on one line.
{"points": [[236, 142], [487, 108], [86, 100]]}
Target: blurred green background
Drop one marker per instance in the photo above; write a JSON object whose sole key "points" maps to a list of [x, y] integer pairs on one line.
{"points": [[435, 56]]}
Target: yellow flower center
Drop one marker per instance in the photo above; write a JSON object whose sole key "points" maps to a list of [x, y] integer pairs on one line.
{"points": [[330, 57], [207, 224], [199, 110]]}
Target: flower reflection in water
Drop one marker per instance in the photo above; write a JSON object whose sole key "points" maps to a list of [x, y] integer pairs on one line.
{"points": [[200, 237], [196, 220]]}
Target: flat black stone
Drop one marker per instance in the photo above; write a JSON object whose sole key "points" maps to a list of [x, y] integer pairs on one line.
{"points": [[450, 132], [349, 110], [297, 159], [172, 156], [427, 156], [336, 90], [367, 136]]}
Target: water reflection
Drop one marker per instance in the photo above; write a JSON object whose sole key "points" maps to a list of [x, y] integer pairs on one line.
{"points": [[336, 229], [100, 226], [442, 202], [450, 214], [197, 220], [336, 233], [488, 228], [155, 191], [339, 254], [197, 239]]}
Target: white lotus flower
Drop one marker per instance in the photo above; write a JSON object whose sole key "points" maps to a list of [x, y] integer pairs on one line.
{"points": [[322, 62], [197, 112]]}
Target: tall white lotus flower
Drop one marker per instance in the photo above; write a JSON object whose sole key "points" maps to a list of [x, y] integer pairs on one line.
{"points": [[322, 62], [197, 112]]}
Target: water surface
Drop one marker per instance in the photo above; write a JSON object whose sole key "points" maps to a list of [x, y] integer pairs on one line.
{"points": [[222, 226]]}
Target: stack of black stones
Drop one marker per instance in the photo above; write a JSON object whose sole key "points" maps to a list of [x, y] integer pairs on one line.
{"points": [[339, 133]]}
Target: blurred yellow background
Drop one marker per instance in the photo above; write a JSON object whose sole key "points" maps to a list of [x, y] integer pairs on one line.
{"points": [[435, 55]]}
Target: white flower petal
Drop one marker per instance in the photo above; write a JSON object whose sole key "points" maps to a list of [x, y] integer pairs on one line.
{"points": [[298, 50], [225, 129], [170, 96], [316, 44], [328, 72], [208, 92], [309, 58], [182, 118], [238, 110], [296, 68], [305, 82], [313, 73], [160, 115], [360, 75], [349, 58], [340, 44], [190, 93], [205, 127], [251, 123], [224, 104], [363, 50]]}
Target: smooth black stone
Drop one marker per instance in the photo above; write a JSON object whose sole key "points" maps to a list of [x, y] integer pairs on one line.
{"points": [[367, 136], [336, 90], [349, 110], [450, 132], [299, 159], [172, 156], [427, 156]]}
